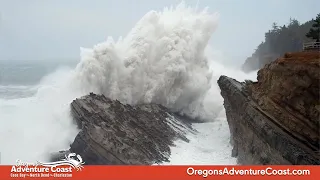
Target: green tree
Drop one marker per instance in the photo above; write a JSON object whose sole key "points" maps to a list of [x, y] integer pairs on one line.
{"points": [[280, 40], [314, 32]]}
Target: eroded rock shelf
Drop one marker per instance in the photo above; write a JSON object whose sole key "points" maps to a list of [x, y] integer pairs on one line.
{"points": [[116, 134]]}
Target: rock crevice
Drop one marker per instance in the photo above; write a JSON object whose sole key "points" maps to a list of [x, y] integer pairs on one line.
{"points": [[113, 133]]}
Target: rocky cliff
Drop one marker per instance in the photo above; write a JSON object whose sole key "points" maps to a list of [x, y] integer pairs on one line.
{"points": [[117, 134], [276, 119]]}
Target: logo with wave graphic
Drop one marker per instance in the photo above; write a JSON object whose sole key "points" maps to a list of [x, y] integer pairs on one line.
{"points": [[72, 159]]}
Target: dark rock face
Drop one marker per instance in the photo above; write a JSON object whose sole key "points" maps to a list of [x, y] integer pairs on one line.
{"points": [[276, 120], [116, 134]]}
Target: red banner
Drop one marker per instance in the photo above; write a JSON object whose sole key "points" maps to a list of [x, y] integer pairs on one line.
{"points": [[160, 172]]}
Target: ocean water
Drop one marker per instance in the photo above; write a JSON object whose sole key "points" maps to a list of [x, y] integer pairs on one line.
{"points": [[164, 59], [20, 78]]}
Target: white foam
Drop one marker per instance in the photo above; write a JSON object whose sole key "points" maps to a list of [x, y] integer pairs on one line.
{"points": [[34, 126], [209, 146], [162, 60]]}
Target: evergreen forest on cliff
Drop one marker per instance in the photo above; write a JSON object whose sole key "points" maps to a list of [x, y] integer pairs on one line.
{"points": [[282, 39]]}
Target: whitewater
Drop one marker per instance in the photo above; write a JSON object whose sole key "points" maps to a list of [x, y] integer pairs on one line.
{"points": [[164, 59]]}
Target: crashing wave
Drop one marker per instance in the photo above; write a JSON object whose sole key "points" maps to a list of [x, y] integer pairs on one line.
{"points": [[162, 60]]}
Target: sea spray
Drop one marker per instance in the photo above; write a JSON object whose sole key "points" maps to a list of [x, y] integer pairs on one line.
{"points": [[162, 60]]}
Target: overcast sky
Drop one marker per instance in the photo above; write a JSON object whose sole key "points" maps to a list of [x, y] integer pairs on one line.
{"points": [[55, 29]]}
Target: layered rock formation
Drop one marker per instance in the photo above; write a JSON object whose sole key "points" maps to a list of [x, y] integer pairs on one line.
{"points": [[116, 134], [276, 119]]}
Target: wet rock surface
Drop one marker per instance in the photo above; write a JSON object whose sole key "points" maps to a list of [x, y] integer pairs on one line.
{"points": [[276, 119], [117, 134]]}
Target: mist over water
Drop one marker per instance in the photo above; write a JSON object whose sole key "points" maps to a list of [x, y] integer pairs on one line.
{"points": [[164, 59]]}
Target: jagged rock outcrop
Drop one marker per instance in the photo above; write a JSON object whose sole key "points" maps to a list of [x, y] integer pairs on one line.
{"points": [[116, 134], [276, 119]]}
